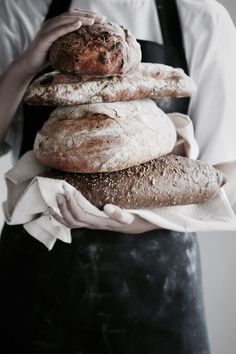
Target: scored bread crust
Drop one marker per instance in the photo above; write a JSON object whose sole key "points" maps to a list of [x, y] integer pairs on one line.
{"points": [[148, 81], [104, 138], [102, 49], [167, 181]]}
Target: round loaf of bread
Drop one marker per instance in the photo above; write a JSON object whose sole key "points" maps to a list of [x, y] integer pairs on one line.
{"points": [[105, 49], [167, 181], [104, 137]]}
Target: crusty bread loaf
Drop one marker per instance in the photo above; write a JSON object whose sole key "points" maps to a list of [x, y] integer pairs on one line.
{"points": [[105, 49], [148, 81], [169, 180], [104, 137]]}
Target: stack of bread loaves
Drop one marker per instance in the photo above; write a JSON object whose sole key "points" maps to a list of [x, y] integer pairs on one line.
{"points": [[107, 137]]}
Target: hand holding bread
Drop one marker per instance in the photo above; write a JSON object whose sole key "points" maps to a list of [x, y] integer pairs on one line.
{"points": [[36, 56], [118, 220]]}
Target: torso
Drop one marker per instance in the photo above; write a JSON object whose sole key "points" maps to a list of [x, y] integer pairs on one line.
{"points": [[129, 293]]}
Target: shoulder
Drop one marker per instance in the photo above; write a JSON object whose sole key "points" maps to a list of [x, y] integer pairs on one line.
{"points": [[22, 14], [11, 9], [207, 28], [210, 8], [19, 22], [210, 14], [210, 36]]}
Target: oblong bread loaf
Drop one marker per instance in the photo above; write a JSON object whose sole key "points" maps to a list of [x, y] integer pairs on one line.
{"points": [[148, 81], [167, 181], [103, 49], [104, 137]]}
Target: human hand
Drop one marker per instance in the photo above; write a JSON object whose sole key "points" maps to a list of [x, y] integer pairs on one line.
{"points": [[134, 223], [35, 57], [115, 219]]}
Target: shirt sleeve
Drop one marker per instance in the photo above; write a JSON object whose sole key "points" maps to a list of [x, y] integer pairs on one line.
{"points": [[19, 23], [9, 48], [210, 40]]}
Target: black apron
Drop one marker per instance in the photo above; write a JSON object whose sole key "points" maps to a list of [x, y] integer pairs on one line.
{"points": [[107, 292]]}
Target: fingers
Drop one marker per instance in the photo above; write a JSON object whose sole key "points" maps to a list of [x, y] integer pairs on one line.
{"points": [[73, 215], [67, 20], [75, 201], [49, 37], [52, 30], [98, 17], [86, 19], [62, 221], [61, 22], [65, 212], [118, 214], [36, 55], [67, 219], [74, 208], [66, 23]]}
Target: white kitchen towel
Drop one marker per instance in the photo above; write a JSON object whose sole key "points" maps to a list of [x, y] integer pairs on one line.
{"points": [[30, 197]]}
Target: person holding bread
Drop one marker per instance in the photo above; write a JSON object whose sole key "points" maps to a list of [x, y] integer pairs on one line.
{"points": [[123, 285]]}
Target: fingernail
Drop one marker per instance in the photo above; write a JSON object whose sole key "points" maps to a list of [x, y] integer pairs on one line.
{"points": [[109, 209], [60, 199], [100, 18], [76, 23]]}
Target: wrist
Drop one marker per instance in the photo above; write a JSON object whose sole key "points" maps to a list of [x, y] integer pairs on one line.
{"points": [[20, 70]]}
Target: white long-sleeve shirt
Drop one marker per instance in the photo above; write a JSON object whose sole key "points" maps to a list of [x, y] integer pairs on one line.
{"points": [[210, 45]]}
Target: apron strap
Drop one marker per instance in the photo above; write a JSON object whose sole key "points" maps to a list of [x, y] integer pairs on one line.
{"points": [[57, 8], [171, 28]]}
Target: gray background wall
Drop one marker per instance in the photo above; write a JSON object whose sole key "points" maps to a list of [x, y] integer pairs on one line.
{"points": [[218, 265], [231, 6]]}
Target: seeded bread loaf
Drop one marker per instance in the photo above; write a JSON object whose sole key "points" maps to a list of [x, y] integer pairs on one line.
{"points": [[148, 81], [105, 49], [167, 181], [104, 137]]}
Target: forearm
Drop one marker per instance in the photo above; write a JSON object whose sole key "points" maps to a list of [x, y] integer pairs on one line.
{"points": [[18, 75], [13, 83]]}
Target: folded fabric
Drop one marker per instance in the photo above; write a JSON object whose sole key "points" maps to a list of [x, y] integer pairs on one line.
{"points": [[30, 197]]}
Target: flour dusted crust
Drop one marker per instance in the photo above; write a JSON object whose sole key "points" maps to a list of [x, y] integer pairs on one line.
{"points": [[98, 50], [167, 181], [148, 81], [104, 137]]}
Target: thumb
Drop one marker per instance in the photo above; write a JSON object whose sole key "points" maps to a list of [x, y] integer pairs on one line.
{"points": [[118, 214]]}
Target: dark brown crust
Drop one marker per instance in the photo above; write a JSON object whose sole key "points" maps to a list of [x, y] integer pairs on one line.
{"points": [[167, 181], [98, 50]]}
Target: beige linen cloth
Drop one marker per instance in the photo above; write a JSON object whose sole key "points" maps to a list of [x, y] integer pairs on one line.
{"points": [[30, 197]]}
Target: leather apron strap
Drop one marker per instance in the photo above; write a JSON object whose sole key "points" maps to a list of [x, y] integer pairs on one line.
{"points": [[171, 29], [57, 8], [171, 52]]}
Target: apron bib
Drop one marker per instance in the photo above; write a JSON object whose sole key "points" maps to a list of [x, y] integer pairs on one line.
{"points": [[107, 292]]}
